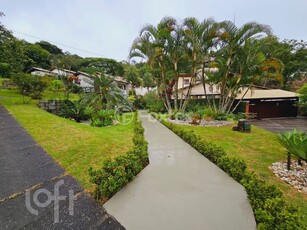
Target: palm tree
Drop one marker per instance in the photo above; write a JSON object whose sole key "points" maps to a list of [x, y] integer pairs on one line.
{"points": [[236, 58], [150, 45], [193, 31], [106, 94]]}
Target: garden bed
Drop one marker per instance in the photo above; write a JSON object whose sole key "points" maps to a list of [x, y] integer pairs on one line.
{"points": [[214, 123], [296, 177]]}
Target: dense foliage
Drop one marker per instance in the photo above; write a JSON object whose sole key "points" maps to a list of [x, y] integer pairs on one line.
{"points": [[303, 98], [240, 57], [31, 85], [117, 172]]}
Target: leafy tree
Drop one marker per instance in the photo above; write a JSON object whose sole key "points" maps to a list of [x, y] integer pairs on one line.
{"points": [[31, 85], [66, 61], [56, 86], [37, 56], [53, 49], [133, 76], [147, 76], [237, 59], [293, 55], [303, 98], [102, 65], [11, 53]]}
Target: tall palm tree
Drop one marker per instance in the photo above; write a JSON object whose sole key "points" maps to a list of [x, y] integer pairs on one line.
{"points": [[106, 94], [236, 57], [150, 45], [193, 31], [176, 51]]}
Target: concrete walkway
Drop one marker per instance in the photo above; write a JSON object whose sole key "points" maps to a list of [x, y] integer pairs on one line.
{"points": [[180, 189], [28, 175]]}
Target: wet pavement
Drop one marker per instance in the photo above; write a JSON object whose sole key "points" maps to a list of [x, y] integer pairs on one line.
{"points": [[35, 192], [279, 125], [180, 189]]}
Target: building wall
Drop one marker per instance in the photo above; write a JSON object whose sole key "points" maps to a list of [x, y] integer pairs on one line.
{"points": [[39, 73]]}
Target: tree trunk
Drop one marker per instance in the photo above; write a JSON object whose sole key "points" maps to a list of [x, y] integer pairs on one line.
{"points": [[176, 86], [289, 161], [204, 84], [236, 106], [191, 82], [164, 89]]}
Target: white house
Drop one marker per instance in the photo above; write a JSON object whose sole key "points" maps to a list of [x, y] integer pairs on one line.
{"points": [[62, 72], [81, 78], [85, 82], [40, 72]]}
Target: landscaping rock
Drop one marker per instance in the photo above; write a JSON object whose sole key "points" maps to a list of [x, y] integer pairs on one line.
{"points": [[202, 123], [297, 176]]}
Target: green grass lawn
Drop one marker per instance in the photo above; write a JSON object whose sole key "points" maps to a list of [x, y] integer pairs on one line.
{"points": [[259, 149], [74, 146]]}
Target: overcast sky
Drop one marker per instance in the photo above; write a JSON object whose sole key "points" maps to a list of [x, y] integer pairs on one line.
{"points": [[107, 28]]}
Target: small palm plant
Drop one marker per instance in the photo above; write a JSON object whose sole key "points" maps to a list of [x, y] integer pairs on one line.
{"points": [[296, 144]]}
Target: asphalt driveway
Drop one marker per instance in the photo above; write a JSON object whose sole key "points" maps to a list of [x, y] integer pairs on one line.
{"points": [[35, 192], [279, 125]]}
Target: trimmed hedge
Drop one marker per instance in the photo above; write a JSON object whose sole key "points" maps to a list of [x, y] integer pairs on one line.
{"points": [[117, 172], [270, 209]]}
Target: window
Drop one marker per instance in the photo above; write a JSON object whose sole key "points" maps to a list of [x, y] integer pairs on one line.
{"points": [[186, 81]]}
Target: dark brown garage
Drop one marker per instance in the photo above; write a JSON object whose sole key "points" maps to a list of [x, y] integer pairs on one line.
{"points": [[270, 103]]}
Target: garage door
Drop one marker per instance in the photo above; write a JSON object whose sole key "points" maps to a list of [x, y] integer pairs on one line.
{"points": [[271, 109]]}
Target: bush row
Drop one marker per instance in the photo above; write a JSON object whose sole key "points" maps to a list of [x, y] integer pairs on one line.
{"points": [[117, 172], [270, 209]]}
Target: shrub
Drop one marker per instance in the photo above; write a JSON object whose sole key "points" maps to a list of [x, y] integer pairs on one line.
{"points": [[116, 173], [303, 98], [100, 118], [73, 110], [270, 209], [56, 86], [31, 85], [153, 102], [220, 116]]}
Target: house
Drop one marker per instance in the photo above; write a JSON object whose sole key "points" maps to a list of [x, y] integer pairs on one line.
{"points": [[123, 84], [40, 72], [198, 92], [63, 72], [85, 81], [82, 79], [263, 102], [269, 103]]}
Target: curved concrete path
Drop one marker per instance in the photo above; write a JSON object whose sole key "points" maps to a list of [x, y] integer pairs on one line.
{"points": [[180, 189]]}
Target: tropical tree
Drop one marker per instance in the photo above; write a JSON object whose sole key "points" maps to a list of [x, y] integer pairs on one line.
{"points": [[106, 94], [36, 56], [237, 60], [53, 49], [12, 56], [150, 45], [147, 77], [303, 98], [133, 76]]}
